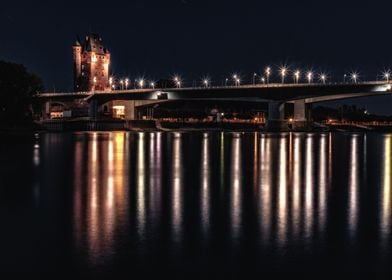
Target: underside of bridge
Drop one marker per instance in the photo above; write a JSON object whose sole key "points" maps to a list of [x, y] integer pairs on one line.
{"points": [[245, 102]]}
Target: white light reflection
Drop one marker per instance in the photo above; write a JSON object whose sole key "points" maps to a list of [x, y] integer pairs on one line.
{"points": [[140, 192], [265, 188], [309, 188], [353, 187], [177, 188], [282, 194], [155, 177], [236, 173], [297, 181], [205, 177], [322, 195], [385, 219]]}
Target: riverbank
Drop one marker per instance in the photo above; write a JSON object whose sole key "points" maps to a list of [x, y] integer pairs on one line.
{"points": [[156, 125]]}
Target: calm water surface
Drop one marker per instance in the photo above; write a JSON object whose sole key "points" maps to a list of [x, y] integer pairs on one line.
{"points": [[222, 203]]}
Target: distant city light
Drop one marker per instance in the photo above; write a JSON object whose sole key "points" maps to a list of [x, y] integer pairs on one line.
{"points": [[141, 83]]}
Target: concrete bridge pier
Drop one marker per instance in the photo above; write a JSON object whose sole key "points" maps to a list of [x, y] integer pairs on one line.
{"points": [[93, 109], [300, 122], [276, 120]]}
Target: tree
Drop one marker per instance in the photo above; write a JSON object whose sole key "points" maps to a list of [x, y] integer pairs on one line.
{"points": [[17, 89]]}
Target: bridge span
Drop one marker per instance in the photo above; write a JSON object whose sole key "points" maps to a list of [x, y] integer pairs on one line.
{"points": [[276, 95]]}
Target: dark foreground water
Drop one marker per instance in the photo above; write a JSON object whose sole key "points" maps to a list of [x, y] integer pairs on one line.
{"points": [[206, 203]]}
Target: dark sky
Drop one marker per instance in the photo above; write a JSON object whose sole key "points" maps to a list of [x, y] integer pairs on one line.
{"points": [[195, 38]]}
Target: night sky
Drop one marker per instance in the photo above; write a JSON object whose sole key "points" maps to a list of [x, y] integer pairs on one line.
{"points": [[197, 38]]}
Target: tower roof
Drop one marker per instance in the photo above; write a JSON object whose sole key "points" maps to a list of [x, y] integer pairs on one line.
{"points": [[94, 43]]}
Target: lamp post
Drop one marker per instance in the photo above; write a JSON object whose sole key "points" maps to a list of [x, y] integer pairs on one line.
{"points": [[296, 76], [95, 81], [126, 83], [141, 83], [283, 73], [122, 84], [205, 82], [354, 77], [310, 77], [235, 78], [268, 73], [254, 78], [387, 75], [323, 78], [111, 82], [263, 80], [226, 80], [152, 84]]}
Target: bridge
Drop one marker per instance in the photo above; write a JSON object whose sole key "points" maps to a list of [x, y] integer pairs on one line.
{"points": [[276, 95]]}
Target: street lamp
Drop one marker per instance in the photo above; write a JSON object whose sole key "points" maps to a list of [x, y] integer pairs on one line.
{"points": [[141, 83], [354, 77], [310, 77], [205, 82], [226, 80], [238, 81], [344, 78], [296, 76], [122, 84], [283, 72], [177, 81], [110, 82], [323, 78], [268, 73], [95, 81], [254, 78], [263, 80], [235, 78], [387, 75], [152, 85], [126, 83]]}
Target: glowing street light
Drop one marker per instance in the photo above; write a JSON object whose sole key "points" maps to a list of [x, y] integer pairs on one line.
{"points": [[323, 78], [141, 83], [235, 78], [226, 80], [254, 78], [152, 85], [310, 77], [111, 82], [354, 77], [205, 82], [238, 81], [387, 75], [95, 81], [296, 76], [283, 72], [268, 73], [122, 84], [263, 80], [126, 83], [177, 81]]}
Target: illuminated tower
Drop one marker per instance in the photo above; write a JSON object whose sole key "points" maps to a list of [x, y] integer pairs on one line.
{"points": [[91, 64]]}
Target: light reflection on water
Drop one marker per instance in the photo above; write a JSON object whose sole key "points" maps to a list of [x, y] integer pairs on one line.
{"points": [[136, 195]]}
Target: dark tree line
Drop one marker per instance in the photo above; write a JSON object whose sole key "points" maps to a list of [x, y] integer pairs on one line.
{"points": [[17, 89]]}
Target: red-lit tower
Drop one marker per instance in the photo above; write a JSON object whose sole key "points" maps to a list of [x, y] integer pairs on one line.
{"points": [[91, 64]]}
